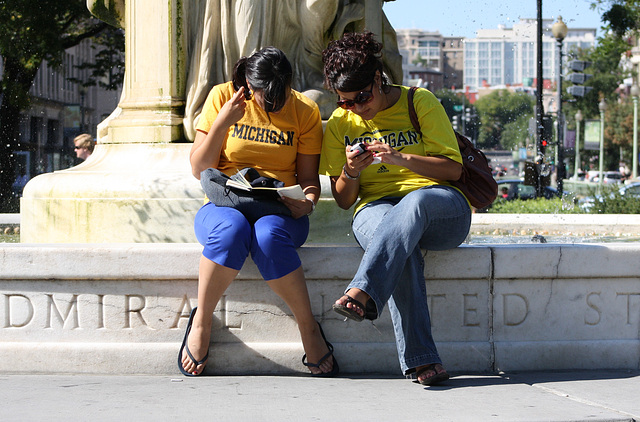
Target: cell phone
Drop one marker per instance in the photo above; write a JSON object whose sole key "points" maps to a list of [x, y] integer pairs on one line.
{"points": [[361, 147]]}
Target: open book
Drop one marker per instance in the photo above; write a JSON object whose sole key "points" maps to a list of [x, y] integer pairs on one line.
{"points": [[238, 181]]}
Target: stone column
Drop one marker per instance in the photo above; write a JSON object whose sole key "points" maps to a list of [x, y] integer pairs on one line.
{"points": [[137, 185], [154, 87]]}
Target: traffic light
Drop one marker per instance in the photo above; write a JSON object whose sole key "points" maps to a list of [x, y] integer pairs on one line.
{"points": [[547, 133], [578, 78], [455, 123]]}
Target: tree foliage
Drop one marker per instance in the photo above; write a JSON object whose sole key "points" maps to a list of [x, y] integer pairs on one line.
{"points": [[620, 25], [620, 16], [449, 98], [33, 31], [500, 109], [515, 133]]}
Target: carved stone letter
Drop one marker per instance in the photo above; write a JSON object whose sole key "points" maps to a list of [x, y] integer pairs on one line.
{"points": [[515, 309], [7, 311]]}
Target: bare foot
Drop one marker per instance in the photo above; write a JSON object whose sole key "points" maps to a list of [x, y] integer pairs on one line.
{"points": [[198, 343], [356, 294], [431, 374]]}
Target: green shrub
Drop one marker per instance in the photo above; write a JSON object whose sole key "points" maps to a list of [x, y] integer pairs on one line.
{"points": [[610, 202], [613, 202], [535, 206]]}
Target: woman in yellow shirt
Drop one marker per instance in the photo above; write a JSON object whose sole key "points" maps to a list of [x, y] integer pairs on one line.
{"points": [[405, 202], [257, 121]]}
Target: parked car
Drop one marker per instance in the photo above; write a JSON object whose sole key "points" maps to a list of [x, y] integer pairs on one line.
{"points": [[608, 177], [511, 189]]}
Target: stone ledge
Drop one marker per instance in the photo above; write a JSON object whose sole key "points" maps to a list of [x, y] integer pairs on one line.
{"points": [[122, 308]]}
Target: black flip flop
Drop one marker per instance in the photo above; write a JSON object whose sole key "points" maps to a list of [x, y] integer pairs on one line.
{"points": [[435, 379], [370, 311], [336, 368], [186, 348]]}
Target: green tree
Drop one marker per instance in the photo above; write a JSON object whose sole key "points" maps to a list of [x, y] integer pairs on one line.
{"points": [[32, 31], [620, 24], [618, 132], [419, 61], [621, 16], [515, 133], [502, 108], [450, 99]]}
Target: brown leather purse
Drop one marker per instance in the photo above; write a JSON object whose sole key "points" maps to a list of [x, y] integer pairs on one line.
{"points": [[476, 182]]}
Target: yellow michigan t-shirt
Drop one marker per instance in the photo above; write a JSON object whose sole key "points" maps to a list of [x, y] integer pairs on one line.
{"points": [[391, 126], [270, 143]]}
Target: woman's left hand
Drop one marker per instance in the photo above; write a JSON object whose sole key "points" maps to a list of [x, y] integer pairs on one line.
{"points": [[386, 153], [298, 207], [433, 167]]}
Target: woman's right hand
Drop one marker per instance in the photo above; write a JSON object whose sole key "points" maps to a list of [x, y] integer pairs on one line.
{"points": [[356, 161], [205, 151], [233, 110]]}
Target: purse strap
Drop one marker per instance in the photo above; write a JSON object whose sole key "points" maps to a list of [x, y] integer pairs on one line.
{"points": [[412, 110]]}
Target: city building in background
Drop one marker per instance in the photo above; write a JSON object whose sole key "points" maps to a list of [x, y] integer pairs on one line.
{"points": [[422, 57], [507, 56], [60, 110], [453, 62]]}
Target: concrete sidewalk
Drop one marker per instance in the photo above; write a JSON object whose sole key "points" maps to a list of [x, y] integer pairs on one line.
{"points": [[535, 396]]}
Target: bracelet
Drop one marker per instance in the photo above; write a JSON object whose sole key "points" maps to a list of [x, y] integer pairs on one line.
{"points": [[344, 170], [313, 206]]}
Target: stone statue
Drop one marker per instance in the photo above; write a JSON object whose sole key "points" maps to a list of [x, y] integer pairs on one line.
{"points": [[137, 186], [219, 32]]}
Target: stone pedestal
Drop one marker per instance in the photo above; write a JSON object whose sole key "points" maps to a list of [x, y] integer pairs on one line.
{"points": [[122, 193]]}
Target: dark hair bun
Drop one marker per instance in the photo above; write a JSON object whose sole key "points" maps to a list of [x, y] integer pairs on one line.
{"points": [[351, 62]]}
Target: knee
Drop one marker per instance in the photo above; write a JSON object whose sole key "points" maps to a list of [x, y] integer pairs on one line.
{"points": [[271, 238], [232, 231]]}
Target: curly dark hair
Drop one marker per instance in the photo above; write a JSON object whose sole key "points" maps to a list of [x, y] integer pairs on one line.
{"points": [[267, 69], [351, 63]]}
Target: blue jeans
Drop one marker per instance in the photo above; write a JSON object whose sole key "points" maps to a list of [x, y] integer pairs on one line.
{"points": [[392, 231]]}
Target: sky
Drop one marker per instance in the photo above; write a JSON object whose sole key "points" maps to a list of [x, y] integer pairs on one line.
{"points": [[464, 17]]}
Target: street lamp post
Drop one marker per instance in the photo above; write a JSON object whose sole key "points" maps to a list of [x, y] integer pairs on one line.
{"points": [[577, 146], [635, 92], [602, 106], [559, 30], [539, 105]]}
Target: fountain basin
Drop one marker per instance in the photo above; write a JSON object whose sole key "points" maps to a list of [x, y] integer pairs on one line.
{"points": [[122, 308]]}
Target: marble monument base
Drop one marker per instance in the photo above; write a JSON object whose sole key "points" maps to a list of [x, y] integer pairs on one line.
{"points": [[122, 193], [123, 308]]}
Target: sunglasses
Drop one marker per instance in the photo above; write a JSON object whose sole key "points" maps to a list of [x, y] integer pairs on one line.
{"points": [[363, 97], [77, 147]]}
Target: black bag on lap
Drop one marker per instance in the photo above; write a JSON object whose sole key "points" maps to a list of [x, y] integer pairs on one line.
{"points": [[253, 204]]}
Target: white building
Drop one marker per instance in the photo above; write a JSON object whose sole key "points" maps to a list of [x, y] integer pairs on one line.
{"points": [[508, 56]]}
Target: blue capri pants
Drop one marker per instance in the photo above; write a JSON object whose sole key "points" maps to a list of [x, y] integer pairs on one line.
{"points": [[228, 238]]}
